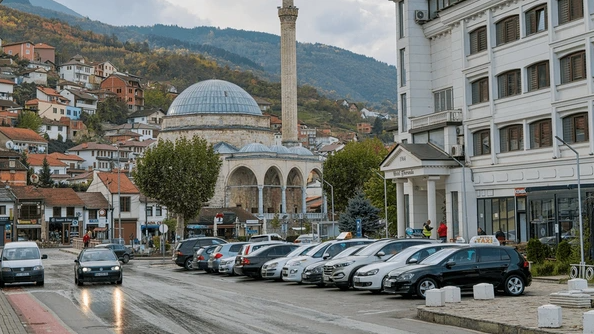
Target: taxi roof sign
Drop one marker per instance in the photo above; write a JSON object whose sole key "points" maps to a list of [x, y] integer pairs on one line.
{"points": [[344, 236], [484, 240]]}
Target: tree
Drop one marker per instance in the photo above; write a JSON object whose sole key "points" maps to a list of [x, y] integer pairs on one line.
{"points": [[45, 175], [24, 92], [157, 98], [378, 126], [374, 190], [181, 175], [29, 120], [350, 168], [113, 111], [25, 163], [360, 207]]}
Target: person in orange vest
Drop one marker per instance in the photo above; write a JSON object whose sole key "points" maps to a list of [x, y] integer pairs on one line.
{"points": [[442, 232]]}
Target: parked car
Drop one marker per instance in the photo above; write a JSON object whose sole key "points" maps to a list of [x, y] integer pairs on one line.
{"points": [[124, 254], [227, 266], [340, 272], [502, 266], [201, 256], [272, 269], [371, 276], [251, 265], [293, 269], [21, 262], [305, 239], [221, 252], [97, 265], [266, 237], [249, 248], [313, 274], [185, 249]]}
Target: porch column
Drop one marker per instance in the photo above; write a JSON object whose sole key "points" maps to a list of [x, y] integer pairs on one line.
{"points": [[400, 207], [284, 199], [260, 200], [304, 200], [431, 207]]}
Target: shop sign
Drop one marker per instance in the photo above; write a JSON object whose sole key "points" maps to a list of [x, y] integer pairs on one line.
{"points": [[406, 172], [93, 220], [8, 227], [5, 219], [27, 222], [520, 192], [63, 219], [252, 222], [484, 240]]}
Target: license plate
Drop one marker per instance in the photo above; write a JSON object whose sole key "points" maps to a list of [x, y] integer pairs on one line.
{"points": [[101, 274], [357, 280], [22, 274]]}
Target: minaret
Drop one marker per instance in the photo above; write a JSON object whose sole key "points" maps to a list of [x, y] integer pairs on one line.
{"points": [[288, 17]]}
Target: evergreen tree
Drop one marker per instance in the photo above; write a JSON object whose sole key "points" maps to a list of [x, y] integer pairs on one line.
{"points": [[360, 207], [45, 175], [25, 163], [378, 126]]}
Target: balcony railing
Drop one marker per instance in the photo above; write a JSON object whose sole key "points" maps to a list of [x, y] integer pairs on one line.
{"points": [[438, 118]]}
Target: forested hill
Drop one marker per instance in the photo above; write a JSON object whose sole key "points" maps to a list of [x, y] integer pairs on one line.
{"points": [[335, 72]]}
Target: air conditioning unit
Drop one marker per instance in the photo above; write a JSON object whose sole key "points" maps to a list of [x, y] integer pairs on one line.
{"points": [[460, 130], [421, 16], [457, 150]]}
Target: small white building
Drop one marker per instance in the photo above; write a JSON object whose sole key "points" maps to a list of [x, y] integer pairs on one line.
{"points": [[6, 89], [76, 70], [147, 116], [81, 99], [101, 157], [54, 129]]}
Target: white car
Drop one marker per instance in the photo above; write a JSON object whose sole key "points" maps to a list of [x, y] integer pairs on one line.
{"points": [[272, 269], [227, 265], [370, 277], [294, 268]]}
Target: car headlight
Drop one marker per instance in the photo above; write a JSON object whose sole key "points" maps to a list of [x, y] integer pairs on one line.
{"points": [[295, 263], [344, 264], [6, 269], [38, 268], [85, 269], [116, 268], [317, 270], [272, 265], [405, 277], [368, 273]]}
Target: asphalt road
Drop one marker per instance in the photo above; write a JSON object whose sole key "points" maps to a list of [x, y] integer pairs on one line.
{"points": [[159, 297]]}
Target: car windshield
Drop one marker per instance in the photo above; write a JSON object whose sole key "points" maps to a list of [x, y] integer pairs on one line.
{"points": [[98, 256], [437, 257], [302, 250], [404, 254], [318, 249], [372, 249], [25, 253], [350, 251]]}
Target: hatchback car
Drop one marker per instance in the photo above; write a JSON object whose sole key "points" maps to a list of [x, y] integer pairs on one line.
{"points": [[272, 269], [21, 262], [251, 265], [97, 265], [185, 249], [124, 254], [221, 252], [201, 256], [502, 266]]}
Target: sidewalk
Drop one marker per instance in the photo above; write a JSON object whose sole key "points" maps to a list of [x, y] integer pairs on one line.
{"points": [[509, 315], [9, 320]]}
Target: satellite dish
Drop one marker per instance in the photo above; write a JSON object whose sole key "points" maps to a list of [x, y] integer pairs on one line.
{"points": [[41, 149], [34, 178], [9, 144]]}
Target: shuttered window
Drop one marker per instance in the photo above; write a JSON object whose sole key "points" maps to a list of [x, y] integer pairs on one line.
{"points": [[575, 128], [536, 20], [512, 138], [570, 10], [478, 40], [482, 142], [444, 100], [573, 67], [510, 83], [538, 76], [480, 91], [508, 30], [541, 134]]}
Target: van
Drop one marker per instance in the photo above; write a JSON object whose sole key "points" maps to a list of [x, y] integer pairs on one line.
{"points": [[266, 237], [21, 262]]}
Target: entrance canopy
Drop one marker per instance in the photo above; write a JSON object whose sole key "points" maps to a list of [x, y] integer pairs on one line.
{"points": [[414, 160]]}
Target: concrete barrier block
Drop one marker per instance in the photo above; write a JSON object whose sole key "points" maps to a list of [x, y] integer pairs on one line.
{"points": [[452, 294], [577, 284], [483, 291], [549, 316], [435, 298], [589, 322]]}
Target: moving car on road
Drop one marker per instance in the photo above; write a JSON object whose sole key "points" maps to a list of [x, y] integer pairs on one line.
{"points": [[251, 265], [465, 267], [272, 269], [123, 253], [21, 262], [97, 265], [185, 250]]}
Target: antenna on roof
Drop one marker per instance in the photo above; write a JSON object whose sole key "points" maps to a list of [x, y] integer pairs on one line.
{"points": [[9, 144]]}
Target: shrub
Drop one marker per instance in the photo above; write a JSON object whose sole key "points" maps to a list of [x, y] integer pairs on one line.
{"points": [[563, 251], [561, 268], [242, 238], [536, 251], [546, 268]]}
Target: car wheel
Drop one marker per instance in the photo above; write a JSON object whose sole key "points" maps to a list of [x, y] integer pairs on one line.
{"points": [[424, 285], [120, 281], [126, 258], [188, 264], [514, 285], [343, 287], [78, 282]]}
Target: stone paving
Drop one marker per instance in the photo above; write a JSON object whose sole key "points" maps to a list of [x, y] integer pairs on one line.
{"points": [[9, 320]]}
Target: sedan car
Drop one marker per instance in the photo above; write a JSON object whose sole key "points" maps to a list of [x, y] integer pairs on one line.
{"points": [[502, 266], [313, 274], [97, 265], [221, 252], [251, 265], [272, 269], [124, 254]]}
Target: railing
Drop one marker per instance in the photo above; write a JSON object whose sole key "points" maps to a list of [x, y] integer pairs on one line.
{"points": [[436, 118], [577, 271]]}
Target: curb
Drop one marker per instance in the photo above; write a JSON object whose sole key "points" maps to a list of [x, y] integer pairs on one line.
{"points": [[484, 326]]}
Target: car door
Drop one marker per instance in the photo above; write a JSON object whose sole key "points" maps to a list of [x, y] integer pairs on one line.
{"points": [[119, 250], [493, 263], [460, 269]]}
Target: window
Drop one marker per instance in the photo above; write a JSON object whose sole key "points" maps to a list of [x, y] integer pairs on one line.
{"points": [[27, 51], [158, 211], [61, 111], [478, 40], [57, 211], [512, 138], [149, 211], [509, 83], [508, 30], [482, 142], [404, 118], [2, 209], [570, 10], [573, 67], [536, 20], [480, 91], [575, 128], [59, 128], [125, 204], [93, 213], [402, 68], [538, 76], [30, 211], [55, 110], [401, 19], [70, 211], [48, 127], [541, 134], [444, 99]]}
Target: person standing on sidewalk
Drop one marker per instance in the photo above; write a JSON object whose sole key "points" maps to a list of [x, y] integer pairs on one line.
{"points": [[87, 239], [427, 229], [442, 232]]}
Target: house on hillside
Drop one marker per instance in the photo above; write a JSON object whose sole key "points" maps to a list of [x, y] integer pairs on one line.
{"points": [[6, 89], [45, 52], [22, 140], [77, 70], [364, 128], [263, 104], [25, 50], [12, 170], [81, 99], [35, 161], [127, 88], [103, 70], [101, 157], [73, 162], [147, 116], [144, 131], [33, 75], [54, 129], [74, 127]]}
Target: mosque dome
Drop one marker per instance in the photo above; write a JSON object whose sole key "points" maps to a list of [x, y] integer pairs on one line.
{"points": [[255, 148], [214, 97], [280, 149], [300, 150]]}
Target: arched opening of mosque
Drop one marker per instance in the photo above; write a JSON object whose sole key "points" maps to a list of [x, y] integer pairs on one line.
{"points": [[242, 190], [295, 192], [272, 191]]}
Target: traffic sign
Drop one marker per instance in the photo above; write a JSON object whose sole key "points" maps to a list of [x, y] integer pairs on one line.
{"points": [[359, 228], [75, 222], [163, 228]]}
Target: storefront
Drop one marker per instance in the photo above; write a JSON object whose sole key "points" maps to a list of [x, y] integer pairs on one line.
{"points": [[28, 229], [63, 229]]}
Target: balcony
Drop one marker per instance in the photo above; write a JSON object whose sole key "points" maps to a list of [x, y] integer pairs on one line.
{"points": [[435, 120]]}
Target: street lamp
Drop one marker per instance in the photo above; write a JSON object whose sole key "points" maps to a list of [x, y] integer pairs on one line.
{"points": [[577, 156], [331, 194], [119, 198], [385, 201]]}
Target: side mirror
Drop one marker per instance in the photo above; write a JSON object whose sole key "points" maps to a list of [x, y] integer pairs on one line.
{"points": [[326, 256], [413, 260], [75, 260], [450, 264], [44, 256], [380, 254]]}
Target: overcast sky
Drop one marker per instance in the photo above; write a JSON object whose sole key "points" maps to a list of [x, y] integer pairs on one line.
{"points": [[363, 26]]}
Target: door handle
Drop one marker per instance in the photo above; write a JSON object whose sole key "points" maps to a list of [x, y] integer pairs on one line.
{"points": [[504, 265]]}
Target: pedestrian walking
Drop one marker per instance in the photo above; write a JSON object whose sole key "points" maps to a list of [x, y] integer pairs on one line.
{"points": [[442, 232], [87, 239], [499, 235], [480, 231], [427, 229]]}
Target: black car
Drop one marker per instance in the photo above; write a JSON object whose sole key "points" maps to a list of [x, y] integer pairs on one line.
{"points": [[185, 250], [201, 257], [465, 267], [251, 265], [123, 253], [97, 265]]}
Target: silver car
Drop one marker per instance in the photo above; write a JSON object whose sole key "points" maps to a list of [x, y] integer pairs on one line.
{"points": [[272, 269], [227, 266], [222, 252]]}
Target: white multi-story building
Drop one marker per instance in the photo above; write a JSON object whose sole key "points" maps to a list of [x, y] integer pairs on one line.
{"points": [[493, 83], [76, 70], [101, 157]]}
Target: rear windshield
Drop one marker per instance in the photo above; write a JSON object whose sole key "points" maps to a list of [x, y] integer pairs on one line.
{"points": [[235, 248], [25, 253], [258, 239]]}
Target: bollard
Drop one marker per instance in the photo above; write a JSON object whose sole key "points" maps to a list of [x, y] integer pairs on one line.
{"points": [[549, 316], [589, 322], [483, 291], [435, 298], [577, 284], [452, 294]]}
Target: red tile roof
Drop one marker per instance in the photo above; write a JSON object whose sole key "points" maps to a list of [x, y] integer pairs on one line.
{"points": [[37, 160], [61, 197], [92, 146], [22, 134], [111, 182], [49, 91], [62, 156], [93, 200], [8, 82], [43, 46], [27, 193]]}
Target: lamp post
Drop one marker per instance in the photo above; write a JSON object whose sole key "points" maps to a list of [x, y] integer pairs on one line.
{"points": [[119, 198], [332, 195], [385, 201], [577, 157]]}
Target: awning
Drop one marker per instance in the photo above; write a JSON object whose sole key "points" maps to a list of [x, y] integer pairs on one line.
{"points": [[100, 229], [197, 227], [149, 226], [28, 226]]}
